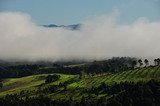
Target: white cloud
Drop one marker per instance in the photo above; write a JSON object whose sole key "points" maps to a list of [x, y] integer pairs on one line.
{"points": [[21, 39]]}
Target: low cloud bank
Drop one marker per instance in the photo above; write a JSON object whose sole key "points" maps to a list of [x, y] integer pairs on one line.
{"points": [[100, 37]]}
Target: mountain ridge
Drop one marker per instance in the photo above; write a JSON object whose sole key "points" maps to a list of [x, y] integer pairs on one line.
{"points": [[71, 27]]}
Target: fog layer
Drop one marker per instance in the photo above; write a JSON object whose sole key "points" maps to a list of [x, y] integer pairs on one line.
{"points": [[99, 37]]}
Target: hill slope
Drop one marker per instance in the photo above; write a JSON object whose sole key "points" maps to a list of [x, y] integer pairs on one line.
{"points": [[140, 86], [72, 86]]}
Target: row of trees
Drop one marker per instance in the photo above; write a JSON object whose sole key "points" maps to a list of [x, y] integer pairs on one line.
{"points": [[140, 62]]}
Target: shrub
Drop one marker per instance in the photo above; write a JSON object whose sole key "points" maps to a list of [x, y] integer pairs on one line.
{"points": [[52, 78]]}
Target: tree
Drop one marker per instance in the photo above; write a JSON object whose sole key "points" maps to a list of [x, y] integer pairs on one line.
{"points": [[134, 63], [158, 61], [155, 61], [146, 62], [140, 62]]}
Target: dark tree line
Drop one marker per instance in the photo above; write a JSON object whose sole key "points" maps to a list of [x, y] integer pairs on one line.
{"points": [[139, 63], [111, 65], [18, 71]]}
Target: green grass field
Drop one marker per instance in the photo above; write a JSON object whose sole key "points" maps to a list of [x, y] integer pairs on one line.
{"points": [[15, 85]]}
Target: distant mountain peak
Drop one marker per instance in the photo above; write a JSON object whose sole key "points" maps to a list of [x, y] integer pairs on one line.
{"points": [[71, 27]]}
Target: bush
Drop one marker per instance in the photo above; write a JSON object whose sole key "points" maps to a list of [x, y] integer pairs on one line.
{"points": [[52, 78]]}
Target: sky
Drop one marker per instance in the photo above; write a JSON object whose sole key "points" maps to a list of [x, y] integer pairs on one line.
{"points": [[66, 12], [109, 28]]}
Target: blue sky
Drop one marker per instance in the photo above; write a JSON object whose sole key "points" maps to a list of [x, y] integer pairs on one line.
{"points": [[76, 11]]}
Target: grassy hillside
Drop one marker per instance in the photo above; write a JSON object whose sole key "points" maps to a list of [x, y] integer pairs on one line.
{"points": [[76, 86], [15, 85]]}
